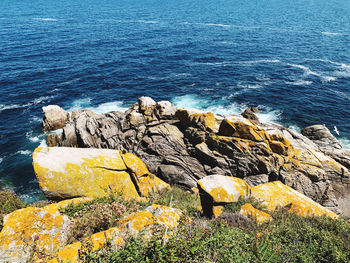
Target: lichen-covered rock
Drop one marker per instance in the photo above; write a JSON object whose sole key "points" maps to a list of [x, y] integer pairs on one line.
{"points": [[54, 117], [250, 211], [70, 172], [197, 118], [71, 252], [165, 110], [277, 195], [155, 214], [216, 190]]}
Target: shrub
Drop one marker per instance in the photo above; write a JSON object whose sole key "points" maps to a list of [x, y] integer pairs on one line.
{"points": [[9, 202]]}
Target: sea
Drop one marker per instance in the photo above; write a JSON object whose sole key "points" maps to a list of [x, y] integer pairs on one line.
{"points": [[291, 59]]}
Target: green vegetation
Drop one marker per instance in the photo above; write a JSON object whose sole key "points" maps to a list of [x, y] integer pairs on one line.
{"points": [[103, 213], [236, 207], [9, 202], [288, 238]]}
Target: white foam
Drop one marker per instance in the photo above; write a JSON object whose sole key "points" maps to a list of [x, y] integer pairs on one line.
{"points": [[189, 101], [1, 159], [35, 119], [330, 33], [299, 82], [43, 143], [99, 109], [26, 105], [213, 24], [267, 115], [345, 142], [24, 152], [45, 19], [260, 61], [308, 72]]}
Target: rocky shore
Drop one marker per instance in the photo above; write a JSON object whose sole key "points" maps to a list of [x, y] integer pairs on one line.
{"points": [[122, 164], [181, 146]]}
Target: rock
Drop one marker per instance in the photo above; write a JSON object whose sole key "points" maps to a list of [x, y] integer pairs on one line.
{"points": [[71, 252], [198, 119], [259, 216], [88, 112], [34, 233], [234, 126], [254, 180], [184, 148], [146, 105], [216, 190], [54, 117], [155, 214], [327, 143], [69, 172], [276, 195], [249, 114], [165, 110]]}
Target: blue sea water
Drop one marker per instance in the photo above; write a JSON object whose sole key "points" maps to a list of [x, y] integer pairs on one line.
{"points": [[290, 58]]}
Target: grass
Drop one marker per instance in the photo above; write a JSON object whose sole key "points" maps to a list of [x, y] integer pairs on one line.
{"points": [[9, 202], [288, 238]]}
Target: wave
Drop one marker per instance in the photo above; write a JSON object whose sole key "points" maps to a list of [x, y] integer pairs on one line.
{"points": [[45, 19], [224, 107], [39, 100], [299, 82], [24, 152], [1, 159], [85, 103], [331, 33], [345, 142], [308, 72]]}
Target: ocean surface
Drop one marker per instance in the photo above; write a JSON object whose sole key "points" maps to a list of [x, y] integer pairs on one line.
{"points": [[289, 58]]}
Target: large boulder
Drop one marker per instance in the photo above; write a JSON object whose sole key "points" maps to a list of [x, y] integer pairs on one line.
{"points": [[70, 172], [217, 190], [275, 195], [32, 234], [54, 118]]}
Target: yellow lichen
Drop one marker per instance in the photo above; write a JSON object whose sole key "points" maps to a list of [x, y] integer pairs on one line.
{"points": [[277, 195], [259, 216]]}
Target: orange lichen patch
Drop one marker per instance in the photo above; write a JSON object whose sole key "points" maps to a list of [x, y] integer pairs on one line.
{"points": [[69, 172], [146, 181], [32, 227], [259, 216], [242, 128], [53, 208], [277, 195], [225, 189], [197, 118], [217, 210], [155, 214], [70, 253]]}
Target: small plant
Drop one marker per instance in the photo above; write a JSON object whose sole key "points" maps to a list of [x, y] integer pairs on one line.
{"points": [[9, 202], [236, 207]]}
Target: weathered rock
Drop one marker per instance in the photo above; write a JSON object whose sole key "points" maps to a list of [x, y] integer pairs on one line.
{"points": [[54, 117], [71, 252], [259, 216], [34, 233], [217, 190], [254, 180], [249, 114], [276, 195], [327, 143], [155, 214], [165, 110], [70, 172], [186, 147]]}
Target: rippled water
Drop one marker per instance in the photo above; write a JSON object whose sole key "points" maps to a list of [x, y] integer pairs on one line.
{"points": [[290, 58]]}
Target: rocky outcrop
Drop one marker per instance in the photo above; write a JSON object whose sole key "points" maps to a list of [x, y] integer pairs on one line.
{"points": [[30, 234], [276, 195], [151, 216], [54, 118], [187, 145], [217, 190], [71, 172]]}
